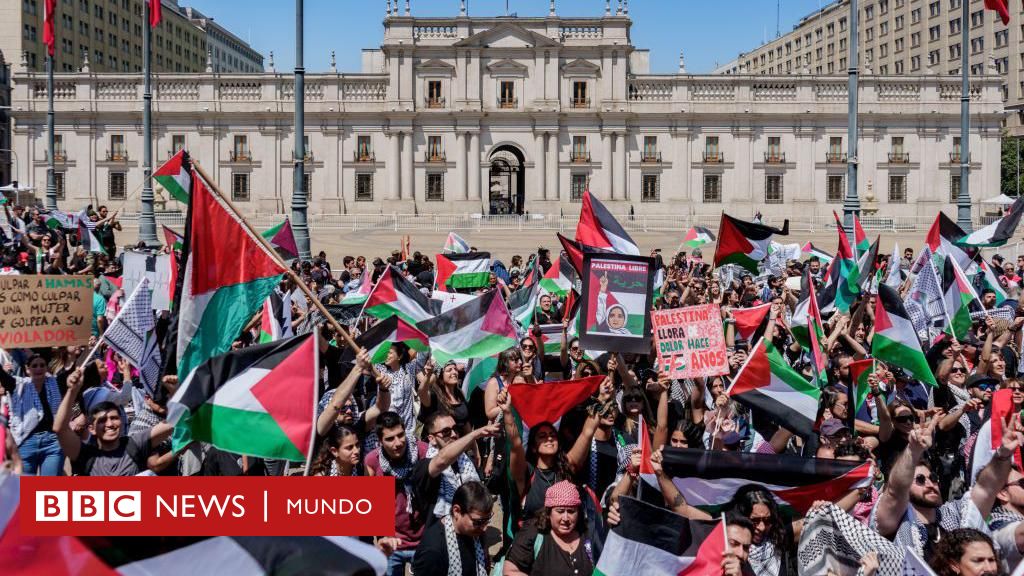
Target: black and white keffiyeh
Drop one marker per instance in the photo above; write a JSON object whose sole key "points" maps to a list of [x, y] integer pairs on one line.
{"points": [[451, 541], [451, 479], [833, 542], [402, 473]]}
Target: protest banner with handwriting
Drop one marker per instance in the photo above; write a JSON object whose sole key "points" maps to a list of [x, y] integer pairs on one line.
{"points": [[40, 311], [690, 341]]}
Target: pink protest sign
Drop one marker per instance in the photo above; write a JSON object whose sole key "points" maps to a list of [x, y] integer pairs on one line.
{"points": [[691, 343]]}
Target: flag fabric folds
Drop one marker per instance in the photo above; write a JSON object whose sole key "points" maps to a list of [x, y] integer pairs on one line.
{"points": [[173, 239], [697, 237], [549, 401], [1000, 7], [479, 328], [860, 239], [360, 294], [744, 243], [958, 299], [559, 279], [768, 384], [49, 26], [859, 372], [282, 239], [276, 322], [394, 295], [132, 335], [258, 401], [748, 320], [895, 339], [943, 240], [175, 176], [998, 232], [848, 275], [812, 250], [470, 270], [808, 330], [455, 244], [598, 228], [378, 339], [991, 433]]}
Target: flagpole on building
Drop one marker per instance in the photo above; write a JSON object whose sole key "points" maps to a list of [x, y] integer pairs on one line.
{"points": [[963, 199], [51, 183], [851, 204], [299, 203], [147, 219]]}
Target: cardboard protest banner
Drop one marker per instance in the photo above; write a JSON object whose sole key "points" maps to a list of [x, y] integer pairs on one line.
{"points": [[41, 311], [156, 267], [690, 341], [616, 302]]}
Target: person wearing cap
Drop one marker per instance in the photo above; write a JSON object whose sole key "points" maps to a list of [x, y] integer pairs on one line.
{"points": [[555, 543]]}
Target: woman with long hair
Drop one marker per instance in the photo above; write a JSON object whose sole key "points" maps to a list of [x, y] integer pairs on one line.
{"points": [[773, 547], [965, 552], [556, 542], [444, 393], [34, 400], [510, 364], [339, 454]]}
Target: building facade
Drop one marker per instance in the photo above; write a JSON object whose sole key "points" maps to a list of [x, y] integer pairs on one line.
{"points": [[900, 37], [227, 52], [522, 115], [5, 122], [109, 34]]}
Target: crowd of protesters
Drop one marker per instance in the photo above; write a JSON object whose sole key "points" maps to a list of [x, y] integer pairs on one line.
{"points": [[474, 494]]}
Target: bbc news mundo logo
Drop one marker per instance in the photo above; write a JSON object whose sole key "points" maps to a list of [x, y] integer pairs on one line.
{"points": [[88, 506]]}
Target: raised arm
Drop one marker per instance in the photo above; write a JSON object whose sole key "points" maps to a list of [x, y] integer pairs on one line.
{"points": [[341, 394], [450, 453], [578, 453], [661, 432], [892, 503], [69, 441], [992, 477]]}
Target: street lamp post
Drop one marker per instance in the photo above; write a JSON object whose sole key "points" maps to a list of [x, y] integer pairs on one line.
{"points": [[299, 204], [963, 200], [147, 219], [851, 204], [51, 183]]}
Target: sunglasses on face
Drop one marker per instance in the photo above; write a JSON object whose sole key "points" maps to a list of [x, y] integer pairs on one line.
{"points": [[1015, 388], [958, 370], [905, 419], [921, 478], [480, 522], [449, 431], [986, 386], [528, 347]]}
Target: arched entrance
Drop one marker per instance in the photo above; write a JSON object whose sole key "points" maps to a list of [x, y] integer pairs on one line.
{"points": [[507, 184]]}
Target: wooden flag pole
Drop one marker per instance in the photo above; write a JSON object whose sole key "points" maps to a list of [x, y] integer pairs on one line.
{"points": [[291, 274]]}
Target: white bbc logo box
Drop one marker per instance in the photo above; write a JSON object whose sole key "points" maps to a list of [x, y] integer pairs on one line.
{"points": [[88, 506]]}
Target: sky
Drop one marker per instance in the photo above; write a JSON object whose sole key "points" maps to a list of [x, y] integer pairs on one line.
{"points": [[705, 33]]}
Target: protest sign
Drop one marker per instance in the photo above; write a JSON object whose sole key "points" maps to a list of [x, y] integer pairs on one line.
{"points": [[42, 311], [616, 302], [690, 341], [156, 267]]}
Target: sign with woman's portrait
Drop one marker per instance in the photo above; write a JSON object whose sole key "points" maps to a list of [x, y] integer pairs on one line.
{"points": [[616, 303]]}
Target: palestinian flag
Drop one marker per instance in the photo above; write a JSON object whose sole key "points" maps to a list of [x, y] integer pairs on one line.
{"points": [[990, 282], [942, 240], [991, 432], [175, 176], [768, 384], [173, 239], [228, 274], [56, 219], [1001, 8], [549, 401], [176, 242], [866, 265], [697, 237], [358, 296], [523, 304], [479, 328], [559, 278], [276, 322], [893, 275], [478, 372], [709, 479], [812, 250], [859, 372], [998, 232], [653, 540], [809, 332], [378, 339], [598, 228], [748, 320], [744, 243], [455, 244], [860, 239], [848, 287], [471, 270], [260, 401], [551, 339], [86, 238], [895, 340], [393, 295], [283, 240], [573, 251], [958, 298]]}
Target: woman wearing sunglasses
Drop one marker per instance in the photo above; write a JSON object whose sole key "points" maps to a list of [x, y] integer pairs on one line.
{"points": [[555, 543]]}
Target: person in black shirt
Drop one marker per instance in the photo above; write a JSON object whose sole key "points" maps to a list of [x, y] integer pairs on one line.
{"points": [[457, 540], [547, 314], [563, 549]]}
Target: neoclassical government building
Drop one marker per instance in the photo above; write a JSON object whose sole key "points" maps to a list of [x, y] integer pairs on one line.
{"points": [[509, 115]]}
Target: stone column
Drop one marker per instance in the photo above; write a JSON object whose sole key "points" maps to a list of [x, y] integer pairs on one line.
{"points": [[541, 165], [619, 188], [462, 166], [393, 164], [408, 173], [474, 166], [553, 149], [606, 166]]}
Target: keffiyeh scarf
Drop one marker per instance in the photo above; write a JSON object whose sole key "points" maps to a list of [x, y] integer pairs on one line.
{"points": [[402, 473], [451, 480], [451, 541]]}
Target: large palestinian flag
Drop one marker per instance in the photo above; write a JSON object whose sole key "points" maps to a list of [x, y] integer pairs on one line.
{"points": [[176, 176], [943, 239], [998, 232], [479, 328], [598, 228], [258, 401], [378, 340], [228, 274], [958, 298], [549, 401], [744, 243], [895, 340], [393, 295], [767, 384], [470, 270], [709, 479], [656, 541]]}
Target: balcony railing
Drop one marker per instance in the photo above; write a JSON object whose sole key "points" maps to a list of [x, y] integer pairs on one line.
{"points": [[714, 157], [651, 158], [241, 156], [114, 156], [955, 158], [508, 102], [899, 157], [307, 157], [435, 157], [581, 102], [775, 157], [835, 157], [435, 102], [364, 156], [58, 156], [580, 157]]}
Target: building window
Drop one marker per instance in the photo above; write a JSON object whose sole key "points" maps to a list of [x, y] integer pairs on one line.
{"points": [[773, 189], [651, 149], [117, 149], [579, 149], [898, 189], [774, 154], [240, 187], [307, 185], [579, 95], [896, 154], [116, 186], [650, 190], [58, 182], [177, 143], [712, 189], [835, 150], [240, 151], [434, 98], [835, 189], [435, 188], [435, 152], [364, 187], [507, 97], [364, 151], [579, 186], [711, 151], [954, 156], [58, 148], [954, 188]]}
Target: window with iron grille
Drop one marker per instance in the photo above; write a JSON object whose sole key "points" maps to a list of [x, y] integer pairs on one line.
{"points": [[773, 189], [58, 181], [898, 189], [650, 148], [307, 185], [650, 189], [711, 149], [712, 188], [835, 189], [116, 186], [364, 187], [579, 186], [954, 188], [177, 143], [435, 188], [240, 187], [363, 147]]}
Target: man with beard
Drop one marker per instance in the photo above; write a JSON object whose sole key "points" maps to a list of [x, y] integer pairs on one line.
{"points": [[910, 510], [1007, 521]]}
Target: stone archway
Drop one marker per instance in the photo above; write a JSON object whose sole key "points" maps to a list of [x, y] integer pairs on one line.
{"points": [[507, 182]]}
